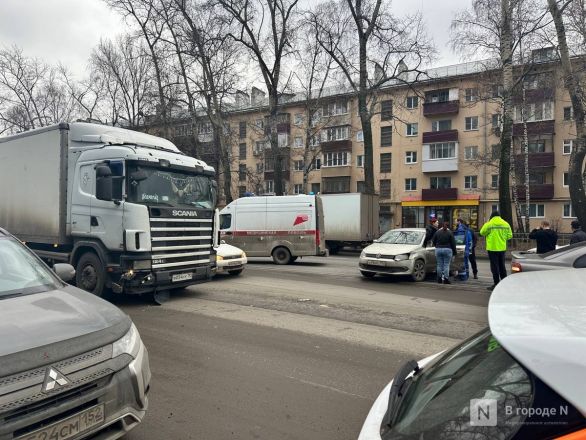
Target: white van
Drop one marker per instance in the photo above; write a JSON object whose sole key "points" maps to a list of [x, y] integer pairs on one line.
{"points": [[283, 227]]}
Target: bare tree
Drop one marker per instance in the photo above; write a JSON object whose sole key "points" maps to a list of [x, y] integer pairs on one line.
{"points": [[574, 86], [269, 43], [372, 48]]}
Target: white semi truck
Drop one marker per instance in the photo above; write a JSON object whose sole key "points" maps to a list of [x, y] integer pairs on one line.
{"points": [[128, 210]]}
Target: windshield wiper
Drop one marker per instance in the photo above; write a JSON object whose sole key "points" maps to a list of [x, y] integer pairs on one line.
{"points": [[398, 389]]}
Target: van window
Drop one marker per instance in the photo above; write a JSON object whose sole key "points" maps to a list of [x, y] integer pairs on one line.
{"points": [[225, 221]]}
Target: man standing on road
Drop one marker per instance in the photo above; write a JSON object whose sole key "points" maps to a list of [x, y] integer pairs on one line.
{"points": [[578, 234], [545, 237], [445, 248], [430, 230], [497, 232]]}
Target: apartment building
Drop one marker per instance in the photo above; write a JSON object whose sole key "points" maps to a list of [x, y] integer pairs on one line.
{"points": [[435, 147]]}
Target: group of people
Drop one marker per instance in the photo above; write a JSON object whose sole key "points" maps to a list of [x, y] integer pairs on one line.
{"points": [[497, 232]]}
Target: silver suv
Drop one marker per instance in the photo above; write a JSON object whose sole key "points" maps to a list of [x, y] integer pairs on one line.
{"points": [[71, 364]]}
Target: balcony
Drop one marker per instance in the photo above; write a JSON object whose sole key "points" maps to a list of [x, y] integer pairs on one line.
{"points": [[450, 163], [536, 192], [283, 124], [535, 95], [430, 137], [441, 108], [341, 171], [536, 160], [535, 128], [430, 194], [329, 146]]}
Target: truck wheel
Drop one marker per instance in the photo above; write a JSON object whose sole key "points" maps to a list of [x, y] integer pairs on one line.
{"points": [[281, 255], [367, 274], [418, 271], [90, 274]]}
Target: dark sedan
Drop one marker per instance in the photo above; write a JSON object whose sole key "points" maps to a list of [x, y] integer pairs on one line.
{"points": [[562, 258]]}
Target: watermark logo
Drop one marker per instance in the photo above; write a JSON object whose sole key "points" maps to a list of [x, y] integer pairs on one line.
{"points": [[483, 412]]}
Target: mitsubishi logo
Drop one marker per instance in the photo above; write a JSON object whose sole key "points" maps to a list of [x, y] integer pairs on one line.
{"points": [[53, 379]]}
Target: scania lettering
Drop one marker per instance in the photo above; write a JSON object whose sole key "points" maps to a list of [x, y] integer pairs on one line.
{"points": [[128, 210]]}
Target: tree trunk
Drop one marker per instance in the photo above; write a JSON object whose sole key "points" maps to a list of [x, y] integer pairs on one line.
{"points": [[225, 164], [277, 155], [573, 86], [365, 118], [505, 156]]}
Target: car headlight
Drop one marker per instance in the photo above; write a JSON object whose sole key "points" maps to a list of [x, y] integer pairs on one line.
{"points": [[243, 255], [141, 264], [219, 258], [362, 254], [401, 257], [127, 344]]}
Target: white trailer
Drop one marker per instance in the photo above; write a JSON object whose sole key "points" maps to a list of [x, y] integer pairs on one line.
{"points": [[351, 219], [128, 210]]}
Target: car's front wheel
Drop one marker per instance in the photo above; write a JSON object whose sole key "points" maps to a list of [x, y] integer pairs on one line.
{"points": [[418, 273]]}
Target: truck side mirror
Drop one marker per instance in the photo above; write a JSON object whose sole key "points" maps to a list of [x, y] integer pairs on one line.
{"points": [[103, 182]]}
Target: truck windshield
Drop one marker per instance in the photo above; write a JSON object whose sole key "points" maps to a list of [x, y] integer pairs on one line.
{"points": [[155, 186], [21, 272]]}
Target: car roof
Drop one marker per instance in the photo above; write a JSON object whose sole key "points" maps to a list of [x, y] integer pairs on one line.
{"points": [[540, 319]]}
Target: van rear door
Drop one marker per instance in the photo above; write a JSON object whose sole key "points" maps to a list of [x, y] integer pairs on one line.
{"points": [[320, 239]]}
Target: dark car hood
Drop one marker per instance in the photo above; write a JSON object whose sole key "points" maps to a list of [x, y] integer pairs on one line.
{"points": [[42, 328]]}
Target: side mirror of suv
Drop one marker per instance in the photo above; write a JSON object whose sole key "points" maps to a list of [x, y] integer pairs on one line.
{"points": [[64, 271]]}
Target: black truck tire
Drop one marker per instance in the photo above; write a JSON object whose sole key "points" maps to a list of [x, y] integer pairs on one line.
{"points": [[90, 274], [281, 255]]}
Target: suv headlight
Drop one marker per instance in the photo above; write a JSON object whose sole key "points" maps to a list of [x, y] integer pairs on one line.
{"points": [[401, 257], [127, 344]]}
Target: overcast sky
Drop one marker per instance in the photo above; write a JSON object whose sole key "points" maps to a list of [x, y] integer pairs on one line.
{"points": [[66, 30]]}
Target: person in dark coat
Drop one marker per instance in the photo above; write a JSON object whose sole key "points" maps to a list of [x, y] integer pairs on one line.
{"points": [[430, 230], [578, 234], [545, 237], [445, 249]]}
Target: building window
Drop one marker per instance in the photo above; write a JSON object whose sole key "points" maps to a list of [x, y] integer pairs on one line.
{"points": [[438, 96], [298, 118], [470, 182], [335, 133], [411, 157], [411, 184], [259, 167], [204, 128], [385, 162], [315, 164], [283, 140], [536, 178], [242, 151], [259, 123], [445, 124], [315, 188], [242, 129], [242, 172], [494, 207], [298, 188], [444, 150], [360, 161], [568, 146], [386, 136], [359, 136], [336, 108], [298, 142], [386, 110], [241, 191], [183, 130], [471, 152], [336, 184], [260, 146], [360, 186], [269, 186], [412, 129], [385, 188], [540, 111], [568, 113], [471, 123], [440, 182], [471, 95], [496, 120], [537, 146], [298, 165], [568, 211], [496, 151], [336, 159], [536, 210], [494, 181], [566, 179], [412, 102]]}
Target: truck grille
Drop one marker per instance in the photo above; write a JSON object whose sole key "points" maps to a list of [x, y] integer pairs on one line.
{"points": [[180, 242]]}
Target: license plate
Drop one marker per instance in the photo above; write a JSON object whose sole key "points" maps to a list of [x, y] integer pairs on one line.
{"points": [[71, 427], [234, 263], [181, 277], [376, 263]]}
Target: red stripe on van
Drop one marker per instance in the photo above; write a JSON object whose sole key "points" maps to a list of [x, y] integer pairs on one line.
{"points": [[280, 233]]}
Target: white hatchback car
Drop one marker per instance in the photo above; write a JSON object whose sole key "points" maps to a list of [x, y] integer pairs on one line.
{"points": [[521, 378], [230, 259]]}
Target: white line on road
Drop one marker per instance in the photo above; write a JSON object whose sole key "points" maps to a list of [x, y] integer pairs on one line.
{"points": [[327, 387]]}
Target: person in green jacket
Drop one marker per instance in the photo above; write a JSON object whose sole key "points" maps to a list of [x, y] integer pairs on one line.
{"points": [[497, 232]]}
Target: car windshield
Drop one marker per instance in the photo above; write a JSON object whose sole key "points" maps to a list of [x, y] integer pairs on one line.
{"points": [[402, 237], [437, 404], [21, 272], [155, 186]]}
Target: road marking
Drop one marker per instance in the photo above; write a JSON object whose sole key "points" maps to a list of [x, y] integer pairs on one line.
{"points": [[327, 387]]}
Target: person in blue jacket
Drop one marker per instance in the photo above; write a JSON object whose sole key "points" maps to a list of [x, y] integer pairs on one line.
{"points": [[464, 236]]}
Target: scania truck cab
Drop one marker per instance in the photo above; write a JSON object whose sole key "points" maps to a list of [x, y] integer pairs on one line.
{"points": [[128, 210]]}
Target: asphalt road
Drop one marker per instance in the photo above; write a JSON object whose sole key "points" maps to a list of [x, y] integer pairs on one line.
{"points": [[291, 352]]}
